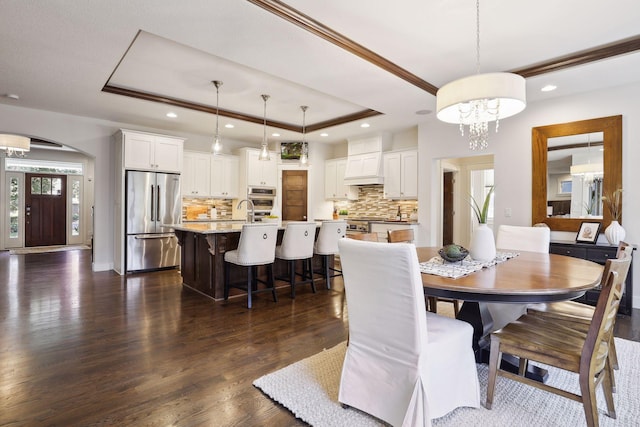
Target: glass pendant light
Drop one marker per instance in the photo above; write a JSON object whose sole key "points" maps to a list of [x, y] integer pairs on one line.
{"points": [[304, 156], [216, 147], [264, 151]]}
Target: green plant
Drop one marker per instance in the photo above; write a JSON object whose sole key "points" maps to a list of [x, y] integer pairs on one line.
{"points": [[481, 214], [588, 207], [343, 212]]}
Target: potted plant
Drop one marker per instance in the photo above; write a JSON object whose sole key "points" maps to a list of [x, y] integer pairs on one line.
{"points": [[343, 213], [483, 245]]}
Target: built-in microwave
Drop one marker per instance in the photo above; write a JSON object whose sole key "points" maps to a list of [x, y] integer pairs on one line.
{"points": [[261, 192]]}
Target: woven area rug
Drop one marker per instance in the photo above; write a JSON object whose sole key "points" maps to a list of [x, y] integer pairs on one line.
{"points": [[309, 389]]}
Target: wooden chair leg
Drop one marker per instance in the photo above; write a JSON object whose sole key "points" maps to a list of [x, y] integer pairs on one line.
{"points": [[456, 307], [613, 354], [607, 389], [292, 277], [309, 268], [494, 360], [588, 392], [325, 263], [272, 282], [433, 304], [522, 366]]}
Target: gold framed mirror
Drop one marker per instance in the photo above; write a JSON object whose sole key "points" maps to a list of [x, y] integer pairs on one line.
{"points": [[611, 129]]}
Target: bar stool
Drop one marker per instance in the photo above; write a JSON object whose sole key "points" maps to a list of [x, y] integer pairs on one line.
{"points": [[327, 245], [257, 246], [297, 244]]}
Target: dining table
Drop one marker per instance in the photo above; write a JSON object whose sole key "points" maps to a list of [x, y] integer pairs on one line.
{"points": [[522, 278]]}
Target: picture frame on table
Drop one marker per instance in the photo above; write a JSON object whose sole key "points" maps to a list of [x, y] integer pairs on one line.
{"points": [[588, 232]]}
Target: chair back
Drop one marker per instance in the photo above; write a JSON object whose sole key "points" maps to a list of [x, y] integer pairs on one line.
{"points": [[297, 241], [529, 239], [400, 236], [328, 236], [368, 237], [600, 332], [385, 298], [257, 244]]}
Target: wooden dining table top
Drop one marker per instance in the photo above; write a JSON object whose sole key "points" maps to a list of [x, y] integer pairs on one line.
{"points": [[526, 278]]}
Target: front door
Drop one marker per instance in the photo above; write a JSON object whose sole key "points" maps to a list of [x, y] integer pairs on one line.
{"points": [[45, 210], [294, 195]]}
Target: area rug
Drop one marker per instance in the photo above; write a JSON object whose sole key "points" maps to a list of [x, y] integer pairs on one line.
{"points": [[45, 249], [309, 389]]}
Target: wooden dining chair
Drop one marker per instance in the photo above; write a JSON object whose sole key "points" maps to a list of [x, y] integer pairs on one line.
{"points": [[406, 236], [578, 315], [368, 237], [553, 343]]}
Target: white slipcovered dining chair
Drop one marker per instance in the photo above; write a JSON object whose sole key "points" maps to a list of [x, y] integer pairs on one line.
{"points": [[517, 238], [297, 244], [403, 365]]}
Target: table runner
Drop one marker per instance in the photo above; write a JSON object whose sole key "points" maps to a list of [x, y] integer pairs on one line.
{"points": [[440, 267]]}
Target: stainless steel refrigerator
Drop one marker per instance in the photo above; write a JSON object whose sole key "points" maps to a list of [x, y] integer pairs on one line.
{"points": [[152, 199]]}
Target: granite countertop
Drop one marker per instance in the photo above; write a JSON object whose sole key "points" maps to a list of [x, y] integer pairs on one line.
{"points": [[216, 227]]}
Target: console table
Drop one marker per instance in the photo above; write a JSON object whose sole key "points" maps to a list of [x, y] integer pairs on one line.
{"points": [[597, 253]]}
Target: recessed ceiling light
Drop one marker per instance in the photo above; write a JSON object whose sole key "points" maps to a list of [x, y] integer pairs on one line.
{"points": [[275, 134], [423, 112], [229, 126], [364, 125], [549, 88], [12, 96], [172, 115], [324, 134]]}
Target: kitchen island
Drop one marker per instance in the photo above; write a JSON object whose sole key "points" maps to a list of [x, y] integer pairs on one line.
{"points": [[202, 257]]}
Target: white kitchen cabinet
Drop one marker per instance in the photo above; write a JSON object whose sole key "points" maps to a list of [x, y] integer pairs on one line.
{"points": [[146, 151], [196, 174], [261, 173], [401, 175], [224, 176], [334, 187]]}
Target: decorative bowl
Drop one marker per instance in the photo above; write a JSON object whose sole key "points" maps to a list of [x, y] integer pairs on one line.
{"points": [[462, 254]]}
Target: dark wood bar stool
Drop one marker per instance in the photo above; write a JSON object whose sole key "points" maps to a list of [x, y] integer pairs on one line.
{"points": [[297, 244], [327, 245]]}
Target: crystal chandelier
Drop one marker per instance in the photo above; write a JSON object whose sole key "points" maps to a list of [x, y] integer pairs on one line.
{"points": [[216, 147], [15, 145], [264, 150], [476, 100], [304, 156]]}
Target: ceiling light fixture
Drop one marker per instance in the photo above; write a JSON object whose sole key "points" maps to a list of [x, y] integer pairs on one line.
{"points": [[216, 147], [264, 150], [476, 100], [172, 115], [304, 156], [548, 88], [229, 126], [587, 170], [365, 125], [15, 145]]}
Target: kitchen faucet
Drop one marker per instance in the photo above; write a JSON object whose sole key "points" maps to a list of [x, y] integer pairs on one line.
{"points": [[251, 218]]}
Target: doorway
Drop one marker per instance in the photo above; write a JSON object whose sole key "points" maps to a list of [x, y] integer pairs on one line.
{"points": [[45, 210], [294, 195], [448, 210]]}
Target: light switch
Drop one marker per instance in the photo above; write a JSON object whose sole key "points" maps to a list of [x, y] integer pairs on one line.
{"points": [[507, 212]]}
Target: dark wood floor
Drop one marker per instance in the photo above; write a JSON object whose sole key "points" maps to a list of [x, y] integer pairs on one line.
{"points": [[83, 348]]}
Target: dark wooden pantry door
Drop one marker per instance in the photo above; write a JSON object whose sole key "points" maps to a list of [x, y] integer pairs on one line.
{"points": [[294, 195], [45, 210]]}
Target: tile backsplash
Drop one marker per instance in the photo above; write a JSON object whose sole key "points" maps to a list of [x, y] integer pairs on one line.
{"points": [[223, 206], [371, 203]]}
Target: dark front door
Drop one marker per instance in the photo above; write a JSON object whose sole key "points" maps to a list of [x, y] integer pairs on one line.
{"points": [[447, 209], [45, 210], [294, 195]]}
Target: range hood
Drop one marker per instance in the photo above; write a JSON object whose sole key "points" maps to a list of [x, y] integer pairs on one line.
{"points": [[364, 169], [364, 160]]}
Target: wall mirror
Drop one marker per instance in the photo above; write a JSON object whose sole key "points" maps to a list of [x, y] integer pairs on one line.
{"points": [[574, 164]]}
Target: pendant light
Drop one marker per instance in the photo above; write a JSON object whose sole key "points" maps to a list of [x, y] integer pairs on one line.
{"points": [[264, 151], [304, 156], [216, 147], [476, 100]]}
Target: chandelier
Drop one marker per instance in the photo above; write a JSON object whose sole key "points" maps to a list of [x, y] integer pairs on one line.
{"points": [[216, 147], [476, 100], [304, 156], [15, 145], [264, 150]]}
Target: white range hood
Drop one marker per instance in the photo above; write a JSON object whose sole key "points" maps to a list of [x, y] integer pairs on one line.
{"points": [[364, 160]]}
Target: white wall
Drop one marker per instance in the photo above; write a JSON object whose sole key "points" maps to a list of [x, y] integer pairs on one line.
{"points": [[511, 148]]}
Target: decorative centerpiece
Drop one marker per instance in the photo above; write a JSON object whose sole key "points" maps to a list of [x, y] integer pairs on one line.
{"points": [[271, 219], [453, 253], [483, 245]]}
